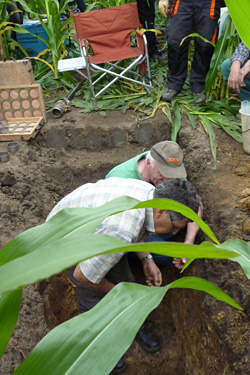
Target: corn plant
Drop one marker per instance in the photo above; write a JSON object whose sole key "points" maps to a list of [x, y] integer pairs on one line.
{"points": [[6, 30], [48, 13], [47, 249]]}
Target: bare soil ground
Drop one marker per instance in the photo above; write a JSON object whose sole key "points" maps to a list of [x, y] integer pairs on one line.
{"points": [[199, 334]]}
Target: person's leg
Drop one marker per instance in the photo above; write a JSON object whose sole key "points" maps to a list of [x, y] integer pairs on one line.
{"points": [[146, 11], [81, 5], [16, 17], [86, 297], [180, 25], [244, 91], [225, 69], [122, 272], [206, 24]]}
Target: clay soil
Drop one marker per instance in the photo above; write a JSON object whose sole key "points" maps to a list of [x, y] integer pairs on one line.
{"points": [[199, 334]]}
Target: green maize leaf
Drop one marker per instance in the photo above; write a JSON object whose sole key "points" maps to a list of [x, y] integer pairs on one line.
{"points": [[218, 55], [195, 35], [74, 347], [85, 220], [176, 122], [190, 117], [243, 248], [212, 138], [167, 112], [9, 309], [65, 222], [168, 204], [233, 244], [239, 11], [61, 254]]}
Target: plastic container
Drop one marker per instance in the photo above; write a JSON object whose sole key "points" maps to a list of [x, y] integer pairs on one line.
{"points": [[245, 123], [30, 43], [13, 147], [4, 156]]}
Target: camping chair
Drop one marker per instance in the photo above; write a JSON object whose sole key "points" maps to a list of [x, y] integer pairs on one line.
{"points": [[108, 33]]}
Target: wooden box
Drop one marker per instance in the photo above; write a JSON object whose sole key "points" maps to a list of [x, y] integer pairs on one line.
{"points": [[16, 73], [23, 108]]}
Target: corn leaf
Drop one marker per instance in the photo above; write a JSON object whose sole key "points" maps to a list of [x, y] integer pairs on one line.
{"points": [[73, 347], [218, 55], [9, 309], [212, 138], [176, 122], [61, 254], [239, 11]]}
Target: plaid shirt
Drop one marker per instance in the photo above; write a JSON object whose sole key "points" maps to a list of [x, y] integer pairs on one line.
{"points": [[241, 53], [128, 225]]}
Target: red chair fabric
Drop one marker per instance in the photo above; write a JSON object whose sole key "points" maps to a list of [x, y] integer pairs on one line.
{"points": [[108, 32]]}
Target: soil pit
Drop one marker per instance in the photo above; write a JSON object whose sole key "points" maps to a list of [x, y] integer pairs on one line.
{"points": [[199, 334]]}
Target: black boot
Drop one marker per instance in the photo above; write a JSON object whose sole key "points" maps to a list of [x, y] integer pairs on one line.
{"points": [[147, 340], [121, 365]]}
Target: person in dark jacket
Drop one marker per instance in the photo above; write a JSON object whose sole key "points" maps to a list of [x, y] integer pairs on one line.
{"points": [[187, 17]]}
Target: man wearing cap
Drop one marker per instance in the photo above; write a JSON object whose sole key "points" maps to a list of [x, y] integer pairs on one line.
{"points": [[162, 163]]}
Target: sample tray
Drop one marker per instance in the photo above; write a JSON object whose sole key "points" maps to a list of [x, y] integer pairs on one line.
{"points": [[22, 101], [21, 128]]}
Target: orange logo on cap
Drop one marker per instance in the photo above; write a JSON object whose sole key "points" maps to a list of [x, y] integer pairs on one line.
{"points": [[173, 160]]}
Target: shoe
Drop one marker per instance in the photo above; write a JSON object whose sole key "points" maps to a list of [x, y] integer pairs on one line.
{"points": [[157, 55], [120, 366], [169, 95], [201, 97], [148, 341]]}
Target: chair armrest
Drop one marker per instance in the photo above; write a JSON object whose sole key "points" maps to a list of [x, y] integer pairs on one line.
{"points": [[141, 40]]}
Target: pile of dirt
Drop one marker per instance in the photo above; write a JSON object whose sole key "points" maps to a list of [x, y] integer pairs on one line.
{"points": [[199, 334]]}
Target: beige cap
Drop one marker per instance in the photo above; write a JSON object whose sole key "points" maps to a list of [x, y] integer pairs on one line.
{"points": [[169, 156]]}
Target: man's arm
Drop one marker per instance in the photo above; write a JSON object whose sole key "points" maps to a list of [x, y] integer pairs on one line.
{"points": [[103, 287], [192, 231], [150, 269]]}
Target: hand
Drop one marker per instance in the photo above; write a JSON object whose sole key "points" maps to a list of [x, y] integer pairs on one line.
{"points": [[234, 77], [179, 263], [163, 7], [152, 273]]}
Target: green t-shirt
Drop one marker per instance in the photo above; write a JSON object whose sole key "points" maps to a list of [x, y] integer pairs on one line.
{"points": [[128, 169]]}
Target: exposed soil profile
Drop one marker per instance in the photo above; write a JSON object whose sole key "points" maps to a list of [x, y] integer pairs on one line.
{"points": [[199, 335]]}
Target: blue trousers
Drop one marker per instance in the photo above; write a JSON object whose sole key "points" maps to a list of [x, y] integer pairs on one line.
{"points": [[161, 260], [244, 91]]}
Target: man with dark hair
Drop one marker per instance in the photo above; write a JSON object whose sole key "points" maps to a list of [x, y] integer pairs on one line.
{"points": [[95, 277]]}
